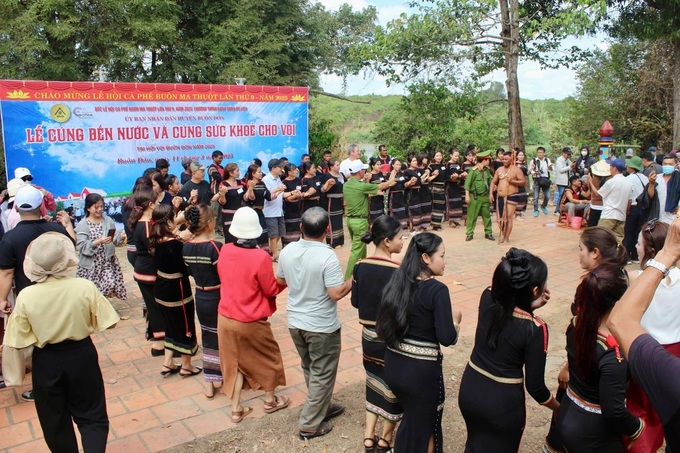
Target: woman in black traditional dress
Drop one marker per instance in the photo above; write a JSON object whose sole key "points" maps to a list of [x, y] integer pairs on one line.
{"points": [[440, 175], [454, 198], [370, 277], [425, 193], [128, 207], [510, 351], [292, 213], [396, 203], [230, 197], [593, 416], [200, 255], [376, 202], [333, 202], [256, 194], [469, 162], [522, 198], [415, 317], [311, 187], [172, 293], [412, 174], [145, 267]]}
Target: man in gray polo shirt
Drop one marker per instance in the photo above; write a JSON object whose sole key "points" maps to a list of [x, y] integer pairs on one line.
{"points": [[315, 282], [273, 209]]}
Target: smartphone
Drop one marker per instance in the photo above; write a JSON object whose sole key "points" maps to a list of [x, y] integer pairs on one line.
{"points": [[111, 233]]}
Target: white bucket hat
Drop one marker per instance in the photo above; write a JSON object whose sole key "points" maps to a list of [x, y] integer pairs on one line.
{"points": [[246, 224]]}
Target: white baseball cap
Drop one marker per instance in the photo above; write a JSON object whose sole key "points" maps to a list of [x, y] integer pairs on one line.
{"points": [[22, 172], [28, 198], [356, 166]]}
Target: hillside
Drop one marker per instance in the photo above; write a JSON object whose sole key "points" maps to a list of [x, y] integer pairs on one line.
{"points": [[545, 121]]}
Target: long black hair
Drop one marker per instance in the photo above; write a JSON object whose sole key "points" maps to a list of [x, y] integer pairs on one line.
{"points": [[392, 323], [597, 294], [514, 280]]}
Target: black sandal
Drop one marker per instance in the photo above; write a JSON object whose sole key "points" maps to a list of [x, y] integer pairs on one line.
{"points": [[383, 449], [167, 371], [370, 449], [188, 373]]}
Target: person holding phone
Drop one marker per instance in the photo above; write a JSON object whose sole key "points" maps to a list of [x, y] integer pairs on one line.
{"points": [[96, 240]]}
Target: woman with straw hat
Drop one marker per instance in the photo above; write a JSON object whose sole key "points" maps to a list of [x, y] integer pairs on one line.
{"points": [[57, 316], [249, 355]]}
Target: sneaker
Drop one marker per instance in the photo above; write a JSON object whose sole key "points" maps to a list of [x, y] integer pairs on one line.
{"points": [[468, 238], [557, 214], [28, 396], [545, 211], [535, 213]]}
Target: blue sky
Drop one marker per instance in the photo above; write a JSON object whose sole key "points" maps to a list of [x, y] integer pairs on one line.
{"points": [[534, 82]]}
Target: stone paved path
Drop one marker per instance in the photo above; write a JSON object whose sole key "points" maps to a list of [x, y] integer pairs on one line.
{"points": [[149, 413]]}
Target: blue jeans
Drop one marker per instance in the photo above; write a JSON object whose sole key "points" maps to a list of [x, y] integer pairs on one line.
{"points": [[546, 196], [558, 196]]}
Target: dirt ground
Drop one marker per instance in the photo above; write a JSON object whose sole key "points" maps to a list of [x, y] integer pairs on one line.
{"points": [[278, 432]]}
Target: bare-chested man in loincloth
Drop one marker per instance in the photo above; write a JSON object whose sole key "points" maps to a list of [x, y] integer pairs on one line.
{"points": [[506, 181]]}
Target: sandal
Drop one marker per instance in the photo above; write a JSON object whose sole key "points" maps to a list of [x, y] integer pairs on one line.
{"points": [[209, 394], [383, 448], [371, 448], [238, 416], [280, 402], [189, 372], [167, 371]]}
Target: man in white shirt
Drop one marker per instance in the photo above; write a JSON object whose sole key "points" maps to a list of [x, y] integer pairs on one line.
{"points": [[273, 209], [563, 169], [616, 196], [313, 274], [353, 154]]}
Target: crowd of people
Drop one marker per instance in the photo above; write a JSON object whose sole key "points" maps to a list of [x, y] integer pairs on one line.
{"points": [[622, 324]]}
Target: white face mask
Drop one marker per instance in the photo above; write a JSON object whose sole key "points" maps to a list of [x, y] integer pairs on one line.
{"points": [[584, 153]]}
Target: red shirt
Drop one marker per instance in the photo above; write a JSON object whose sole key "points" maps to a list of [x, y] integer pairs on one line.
{"points": [[249, 288]]}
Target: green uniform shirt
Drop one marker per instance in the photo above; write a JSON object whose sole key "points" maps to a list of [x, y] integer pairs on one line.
{"points": [[356, 194], [478, 181]]}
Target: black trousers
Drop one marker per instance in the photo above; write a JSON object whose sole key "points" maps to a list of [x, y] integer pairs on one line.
{"points": [[634, 221], [68, 387]]}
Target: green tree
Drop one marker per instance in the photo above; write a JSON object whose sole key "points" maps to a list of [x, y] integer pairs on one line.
{"points": [[630, 85], [651, 20], [437, 41], [284, 42], [62, 40]]}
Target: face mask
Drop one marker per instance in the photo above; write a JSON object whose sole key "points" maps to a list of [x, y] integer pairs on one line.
{"points": [[668, 169], [584, 153]]}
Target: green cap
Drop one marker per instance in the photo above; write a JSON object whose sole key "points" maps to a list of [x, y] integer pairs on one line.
{"points": [[634, 162], [484, 154]]}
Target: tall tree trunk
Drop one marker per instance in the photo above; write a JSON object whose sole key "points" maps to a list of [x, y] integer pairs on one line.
{"points": [[676, 94], [510, 35]]}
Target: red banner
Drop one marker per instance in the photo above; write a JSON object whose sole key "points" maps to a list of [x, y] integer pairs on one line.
{"points": [[30, 90]]}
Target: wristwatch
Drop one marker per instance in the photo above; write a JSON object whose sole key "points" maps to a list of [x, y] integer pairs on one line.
{"points": [[658, 266]]}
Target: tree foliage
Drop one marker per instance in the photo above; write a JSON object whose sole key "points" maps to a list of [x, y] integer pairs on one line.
{"points": [[453, 42], [631, 86], [652, 20], [282, 42], [433, 118]]}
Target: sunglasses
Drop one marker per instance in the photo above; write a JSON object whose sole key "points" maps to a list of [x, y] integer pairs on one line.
{"points": [[650, 225]]}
